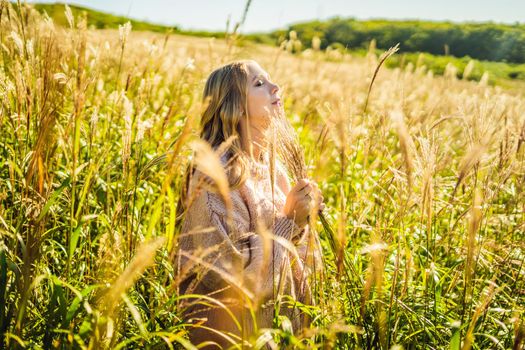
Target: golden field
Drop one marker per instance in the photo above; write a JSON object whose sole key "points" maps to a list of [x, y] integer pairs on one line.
{"points": [[425, 191]]}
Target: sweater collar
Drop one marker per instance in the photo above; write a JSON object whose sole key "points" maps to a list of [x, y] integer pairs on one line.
{"points": [[260, 168]]}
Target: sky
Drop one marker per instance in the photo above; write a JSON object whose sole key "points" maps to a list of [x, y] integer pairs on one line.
{"points": [[268, 15]]}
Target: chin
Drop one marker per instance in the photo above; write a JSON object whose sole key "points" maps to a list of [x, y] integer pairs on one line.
{"points": [[276, 109]]}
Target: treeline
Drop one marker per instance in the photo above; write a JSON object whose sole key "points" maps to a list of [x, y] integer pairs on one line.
{"points": [[97, 19], [101, 20], [483, 41]]}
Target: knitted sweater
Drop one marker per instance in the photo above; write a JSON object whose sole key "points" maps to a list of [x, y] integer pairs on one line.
{"points": [[249, 257]]}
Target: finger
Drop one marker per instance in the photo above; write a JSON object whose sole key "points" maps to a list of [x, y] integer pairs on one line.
{"points": [[317, 192], [306, 204], [317, 196], [305, 190], [302, 183], [306, 199]]}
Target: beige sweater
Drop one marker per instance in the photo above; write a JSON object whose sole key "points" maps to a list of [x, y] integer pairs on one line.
{"points": [[250, 263]]}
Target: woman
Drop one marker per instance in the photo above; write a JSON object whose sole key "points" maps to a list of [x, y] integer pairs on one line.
{"points": [[241, 251]]}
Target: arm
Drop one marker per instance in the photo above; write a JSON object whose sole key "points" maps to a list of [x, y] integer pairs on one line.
{"points": [[227, 252]]}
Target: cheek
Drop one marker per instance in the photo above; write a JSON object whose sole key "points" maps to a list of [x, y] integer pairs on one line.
{"points": [[256, 104]]}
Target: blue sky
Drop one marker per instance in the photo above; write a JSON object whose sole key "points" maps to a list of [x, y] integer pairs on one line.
{"points": [[272, 14]]}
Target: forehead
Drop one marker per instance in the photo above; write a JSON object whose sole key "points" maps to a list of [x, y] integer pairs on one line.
{"points": [[254, 69]]}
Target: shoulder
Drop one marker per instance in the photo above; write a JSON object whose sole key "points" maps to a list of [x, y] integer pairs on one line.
{"points": [[209, 179], [204, 197]]}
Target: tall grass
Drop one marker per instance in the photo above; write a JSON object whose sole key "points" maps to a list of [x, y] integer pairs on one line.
{"points": [[422, 239]]}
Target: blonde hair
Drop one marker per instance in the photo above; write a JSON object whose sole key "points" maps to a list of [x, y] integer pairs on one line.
{"points": [[225, 97], [225, 100]]}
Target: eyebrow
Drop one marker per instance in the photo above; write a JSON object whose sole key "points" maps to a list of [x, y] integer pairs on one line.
{"points": [[261, 75]]}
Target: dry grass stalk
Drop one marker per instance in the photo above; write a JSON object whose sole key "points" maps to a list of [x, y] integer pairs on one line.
{"points": [[233, 279], [209, 163], [141, 261], [288, 147], [427, 167], [110, 255], [467, 163], [473, 227], [382, 59], [519, 331], [481, 309], [406, 143], [290, 151]]}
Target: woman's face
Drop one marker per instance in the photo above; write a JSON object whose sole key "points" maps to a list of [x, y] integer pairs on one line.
{"points": [[263, 96]]}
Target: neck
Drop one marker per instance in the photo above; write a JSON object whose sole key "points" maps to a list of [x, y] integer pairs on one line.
{"points": [[254, 141]]}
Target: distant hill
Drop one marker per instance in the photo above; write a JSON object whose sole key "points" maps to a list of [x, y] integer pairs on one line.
{"points": [[98, 19], [483, 41], [102, 20]]}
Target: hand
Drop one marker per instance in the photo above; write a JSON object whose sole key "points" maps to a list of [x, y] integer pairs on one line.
{"points": [[304, 197]]}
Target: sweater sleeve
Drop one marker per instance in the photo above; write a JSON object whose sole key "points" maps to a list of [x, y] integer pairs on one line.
{"points": [[224, 249]]}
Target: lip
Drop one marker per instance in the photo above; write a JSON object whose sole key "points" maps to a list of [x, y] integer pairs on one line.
{"points": [[277, 102]]}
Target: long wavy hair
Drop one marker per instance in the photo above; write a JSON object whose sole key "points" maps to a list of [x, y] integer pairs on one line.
{"points": [[225, 101]]}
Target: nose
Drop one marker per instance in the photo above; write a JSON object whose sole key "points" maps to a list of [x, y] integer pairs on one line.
{"points": [[275, 88]]}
